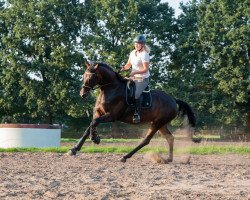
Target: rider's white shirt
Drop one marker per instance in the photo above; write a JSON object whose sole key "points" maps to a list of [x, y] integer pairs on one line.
{"points": [[136, 60]]}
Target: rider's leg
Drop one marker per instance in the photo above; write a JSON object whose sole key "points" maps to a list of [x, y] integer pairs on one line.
{"points": [[140, 86], [136, 117]]}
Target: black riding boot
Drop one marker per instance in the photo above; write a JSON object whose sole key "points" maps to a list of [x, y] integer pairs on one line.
{"points": [[136, 117]]}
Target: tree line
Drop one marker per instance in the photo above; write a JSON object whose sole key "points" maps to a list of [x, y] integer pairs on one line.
{"points": [[201, 56]]}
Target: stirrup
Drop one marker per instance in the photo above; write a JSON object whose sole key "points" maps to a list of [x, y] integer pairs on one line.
{"points": [[136, 118]]}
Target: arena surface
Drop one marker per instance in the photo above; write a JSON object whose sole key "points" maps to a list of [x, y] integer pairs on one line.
{"points": [[103, 176]]}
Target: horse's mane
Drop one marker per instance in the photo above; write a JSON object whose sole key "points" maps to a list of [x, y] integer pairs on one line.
{"points": [[119, 76], [104, 65]]}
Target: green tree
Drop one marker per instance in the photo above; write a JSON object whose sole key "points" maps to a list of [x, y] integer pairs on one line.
{"points": [[114, 24], [190, 79], [224, 33], [156, 20], [201, 67], [111, 25], [40, 73]]}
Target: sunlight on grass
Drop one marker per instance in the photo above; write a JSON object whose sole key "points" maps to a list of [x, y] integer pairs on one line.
{"points": [[200, 150], [117, 140], [34, 149], [206, 150], [110, 140]]}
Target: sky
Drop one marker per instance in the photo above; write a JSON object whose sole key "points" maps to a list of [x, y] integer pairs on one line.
{"points": [[175, 4]]}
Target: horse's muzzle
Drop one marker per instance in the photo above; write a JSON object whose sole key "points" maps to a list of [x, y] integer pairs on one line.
{"points": [[83, 93]]}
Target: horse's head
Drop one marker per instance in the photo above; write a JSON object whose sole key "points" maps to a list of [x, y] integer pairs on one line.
{"points": [[97, 75], [91, 78]]}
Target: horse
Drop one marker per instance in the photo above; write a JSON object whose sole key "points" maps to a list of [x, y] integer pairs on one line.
{"points": [[111, 106]]}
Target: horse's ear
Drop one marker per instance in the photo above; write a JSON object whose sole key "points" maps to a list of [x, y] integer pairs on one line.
{"points": [[87, 64], [96, 66]]}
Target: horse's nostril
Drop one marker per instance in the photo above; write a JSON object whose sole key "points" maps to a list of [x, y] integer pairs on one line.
{"points": [[84, 95]]}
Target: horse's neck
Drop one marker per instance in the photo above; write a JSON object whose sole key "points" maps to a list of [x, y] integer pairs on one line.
{"points": [[115, 89], [107, 74], [114, 84]]}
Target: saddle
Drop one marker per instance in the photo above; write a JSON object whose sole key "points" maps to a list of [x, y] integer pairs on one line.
{"points": [[146, 98]]}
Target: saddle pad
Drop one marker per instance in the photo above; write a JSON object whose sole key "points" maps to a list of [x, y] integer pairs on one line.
{"points": [[146, 97]]}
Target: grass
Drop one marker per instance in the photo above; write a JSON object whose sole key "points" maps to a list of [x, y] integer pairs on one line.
{"points": [[34, 149], [86, 149], [208, 150], [110, 140], [200, 150], [121, 140], [211, 136]]}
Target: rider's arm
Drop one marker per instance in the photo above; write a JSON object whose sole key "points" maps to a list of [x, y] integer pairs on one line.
{"points": [[127, 66], [144, 69]]}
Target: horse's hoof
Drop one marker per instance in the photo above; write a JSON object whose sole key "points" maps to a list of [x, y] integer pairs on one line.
{"points": [[197, 139], [96, 139], [72, 152], [123, 160]]}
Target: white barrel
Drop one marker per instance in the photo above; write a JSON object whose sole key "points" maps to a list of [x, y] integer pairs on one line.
{"points": [[29, 135]]}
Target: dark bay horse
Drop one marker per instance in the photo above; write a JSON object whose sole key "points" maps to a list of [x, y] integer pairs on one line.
{"points": [[111, 106]]}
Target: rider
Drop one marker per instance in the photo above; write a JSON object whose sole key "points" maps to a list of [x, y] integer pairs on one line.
{"points": [[139, 60]]}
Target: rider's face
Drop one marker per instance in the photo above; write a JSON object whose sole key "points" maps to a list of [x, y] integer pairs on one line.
{"points": [[138, 46]]}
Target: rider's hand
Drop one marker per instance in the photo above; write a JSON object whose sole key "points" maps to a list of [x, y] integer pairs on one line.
{"points": [[132, 74]]}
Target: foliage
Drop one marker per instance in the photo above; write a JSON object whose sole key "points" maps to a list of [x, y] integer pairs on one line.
{"points": [[190, 79], [201, 57], [40, 74], [224, 33], [112, 25], [210, 61]]}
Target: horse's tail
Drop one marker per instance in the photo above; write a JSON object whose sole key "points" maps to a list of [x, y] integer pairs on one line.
{"points": [[185, 109]]}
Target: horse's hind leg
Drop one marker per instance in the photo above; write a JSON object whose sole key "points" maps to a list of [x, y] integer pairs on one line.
{"points": [[145, 142], [170, 138]]}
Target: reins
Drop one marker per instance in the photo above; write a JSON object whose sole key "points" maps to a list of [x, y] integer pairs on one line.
{"points": [[96, 87]]}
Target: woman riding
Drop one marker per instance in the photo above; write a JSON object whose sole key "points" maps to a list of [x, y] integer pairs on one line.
{"points": [[139, 61]]}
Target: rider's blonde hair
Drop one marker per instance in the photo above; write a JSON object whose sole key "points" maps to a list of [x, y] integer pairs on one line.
{"points": [[146, 48]]}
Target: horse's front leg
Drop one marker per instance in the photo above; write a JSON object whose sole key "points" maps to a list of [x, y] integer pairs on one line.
{"points": [[94, 136], [102, 119], [93, 133], [97, 118], [79, 144]]}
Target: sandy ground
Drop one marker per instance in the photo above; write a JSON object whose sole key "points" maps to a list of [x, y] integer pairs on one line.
{"points": [[103, 176]]}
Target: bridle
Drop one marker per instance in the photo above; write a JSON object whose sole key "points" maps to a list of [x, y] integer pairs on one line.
{"points": [[97, 86]]}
